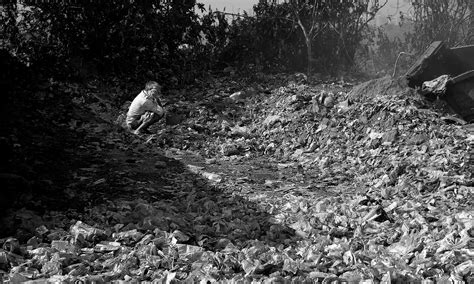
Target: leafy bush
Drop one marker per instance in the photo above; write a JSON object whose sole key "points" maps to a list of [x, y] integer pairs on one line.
{"points": [[113, 36]]}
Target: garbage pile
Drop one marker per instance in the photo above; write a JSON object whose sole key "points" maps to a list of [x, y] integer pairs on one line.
{"points": [[388, 197], [362, 137]]}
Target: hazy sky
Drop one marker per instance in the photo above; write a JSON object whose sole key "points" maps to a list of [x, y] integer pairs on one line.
{"points": [[236, 6], [232, 6]]}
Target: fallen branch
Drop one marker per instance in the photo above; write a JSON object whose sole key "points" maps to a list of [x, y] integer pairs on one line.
{"points": [[396, 61], [233, 14]]}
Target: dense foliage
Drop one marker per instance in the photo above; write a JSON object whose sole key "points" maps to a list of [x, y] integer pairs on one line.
{"points": [[117, 36], [449, 20], [148, 37], [323, 35], [179, 40]]}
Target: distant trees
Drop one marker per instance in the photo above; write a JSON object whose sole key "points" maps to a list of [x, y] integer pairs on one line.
{"points": [[449, 20], [143, 37], [346, 19], [321, 35]]}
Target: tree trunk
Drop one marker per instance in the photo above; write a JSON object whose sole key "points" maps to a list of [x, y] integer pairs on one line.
{"points": [[471, 22], [309, 51]]}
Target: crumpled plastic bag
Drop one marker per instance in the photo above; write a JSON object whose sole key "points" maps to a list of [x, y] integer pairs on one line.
{"points": [[436, 86], [83, 231]]}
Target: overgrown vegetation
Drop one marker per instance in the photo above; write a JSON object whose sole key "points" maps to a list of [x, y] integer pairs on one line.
{"points": [[178, 41], [451, 21], [112, 36], [171, 39]]}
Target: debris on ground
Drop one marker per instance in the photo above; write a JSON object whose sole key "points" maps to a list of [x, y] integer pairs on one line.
{"points": [[297, 182]]}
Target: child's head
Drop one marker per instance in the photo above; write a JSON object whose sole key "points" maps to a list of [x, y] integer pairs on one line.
{"points": [[153, 87]]}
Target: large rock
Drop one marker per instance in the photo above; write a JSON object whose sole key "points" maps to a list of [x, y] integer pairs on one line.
{"points": [[230, 149], [271, 120]]}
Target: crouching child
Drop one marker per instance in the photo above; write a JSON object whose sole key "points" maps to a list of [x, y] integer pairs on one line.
{"points": [[145, 110]]}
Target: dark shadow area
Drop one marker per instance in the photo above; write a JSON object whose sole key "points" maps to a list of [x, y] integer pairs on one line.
{"points": [[38, 145], [53, 161], [182, 200]]}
